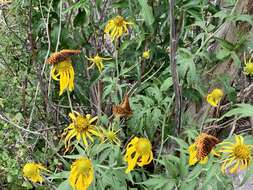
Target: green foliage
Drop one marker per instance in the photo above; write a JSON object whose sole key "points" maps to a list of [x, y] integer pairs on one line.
{"points": [[242, 110]]}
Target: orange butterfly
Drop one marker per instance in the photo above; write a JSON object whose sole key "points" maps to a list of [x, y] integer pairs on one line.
{"points": [[123, 109], [62, 55], [205, 143]]}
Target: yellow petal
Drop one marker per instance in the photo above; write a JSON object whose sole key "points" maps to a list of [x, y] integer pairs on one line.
{"points": [[235, 167], [131, 163]]}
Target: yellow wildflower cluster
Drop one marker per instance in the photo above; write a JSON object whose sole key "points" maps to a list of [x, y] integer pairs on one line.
{"points": [[83, 128]]}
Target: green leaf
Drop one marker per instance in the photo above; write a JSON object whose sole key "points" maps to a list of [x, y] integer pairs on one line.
{"points": [[82, 18], [166, 84], [221, 14], [64, 185], [211, 173], [120, 4], [188, 185], [225, 44], [242, 110], [158, 182], [195, 173], [236, 59], [146, 12], [77, 5], [169, 185], [182, 143], [61, 175], [222, 54]]}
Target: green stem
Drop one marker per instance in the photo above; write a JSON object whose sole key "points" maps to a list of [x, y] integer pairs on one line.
{"points": [[163, 127], [204, 118], [70, 103], [117, 66], [117, 62]]}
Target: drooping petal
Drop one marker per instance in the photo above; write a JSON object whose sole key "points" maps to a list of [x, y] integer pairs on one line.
{"points": [[132, 162]]}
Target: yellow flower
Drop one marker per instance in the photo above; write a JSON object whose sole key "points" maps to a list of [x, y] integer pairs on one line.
{"points": [[248, 69], [139, 151], [116, 27], [32, 172], [199, 150], [238, 155], [146, 54], [214, 97], [110, 135], [81, 127], [193, 151], [64, 72], [81, 174], [98, 61]]}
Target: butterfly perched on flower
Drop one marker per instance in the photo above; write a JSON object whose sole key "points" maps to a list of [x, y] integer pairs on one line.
{"points": [[123, 109], [199, 150], [205, 143], [62, 55]]}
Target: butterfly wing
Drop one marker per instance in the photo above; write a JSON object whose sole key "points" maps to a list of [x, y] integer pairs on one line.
{"points": [[206, 145], [124, 109]]}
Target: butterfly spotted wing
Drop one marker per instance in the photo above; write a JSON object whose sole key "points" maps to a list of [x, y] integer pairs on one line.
{"points": [[62, 55], [205, 144], [122, 110]]}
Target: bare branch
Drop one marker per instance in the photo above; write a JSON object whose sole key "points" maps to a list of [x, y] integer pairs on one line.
{"points": [[173, 62]]}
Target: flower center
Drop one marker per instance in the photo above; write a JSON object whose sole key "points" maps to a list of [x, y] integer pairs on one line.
{"points": [[217, 93], [31, 170], [119, 21], [249, 68], [146, 54], [64, 66], [84, 166], [241, 152], [81, 123], [143, 146], [111, 135], [97, 59]]}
